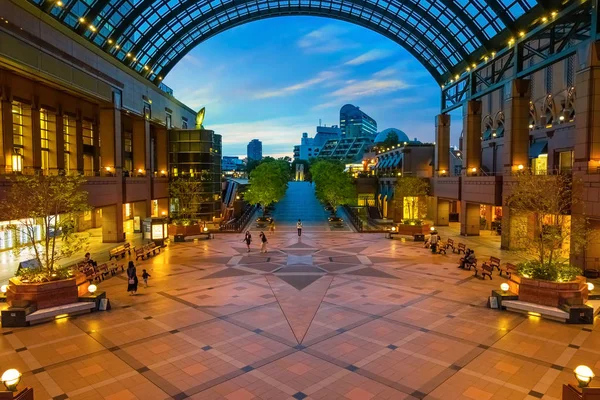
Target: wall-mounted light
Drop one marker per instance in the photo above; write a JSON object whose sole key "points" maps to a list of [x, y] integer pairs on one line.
{"points": [[561, 118], [443, 172], [393, 229], [520, 167], [473, 169], [530, 126]]}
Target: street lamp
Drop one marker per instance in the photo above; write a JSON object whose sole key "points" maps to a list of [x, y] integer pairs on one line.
{"points": [[10, 379], [584, 375]]}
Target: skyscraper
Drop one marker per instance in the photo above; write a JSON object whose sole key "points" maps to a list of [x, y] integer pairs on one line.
{"points": [[355, 123], [255, 150]]}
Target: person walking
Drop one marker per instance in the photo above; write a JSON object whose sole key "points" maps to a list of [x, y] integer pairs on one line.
{"points": [[248, 240], [145, 276], [299, 226], [263, 241], [132, 279], [272, 226], [433, 240]]}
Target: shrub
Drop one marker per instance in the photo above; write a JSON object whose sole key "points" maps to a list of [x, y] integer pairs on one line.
{"points": [[557, 272], [416, 222]]}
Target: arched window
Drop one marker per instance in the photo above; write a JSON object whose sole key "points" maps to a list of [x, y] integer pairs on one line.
{"points": [[549, 111], [533, 116], [488, 124], [499, 123], [568, 111]]}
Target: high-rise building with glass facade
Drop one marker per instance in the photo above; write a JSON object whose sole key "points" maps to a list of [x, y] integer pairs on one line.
{"points": [[255, 150], [355, 123]]}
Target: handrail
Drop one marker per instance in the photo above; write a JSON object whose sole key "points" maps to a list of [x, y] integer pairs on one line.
{"points": [[354, 218], [239, 224]]}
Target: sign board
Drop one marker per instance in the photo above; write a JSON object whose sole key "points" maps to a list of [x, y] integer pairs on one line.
{"points": [[493, 301], [137, 224], [29, 264], [104, 305]]}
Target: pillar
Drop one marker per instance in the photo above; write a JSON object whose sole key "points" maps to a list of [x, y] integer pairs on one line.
{"points": [[516, 132], [111, 150], [36, 137], [163, 207], [60, 140], [79, 140], [162, 150], [469, 222], [141, 145], [112, 224], [471, 136], [6, 130], [442, 144], [442, 212]]}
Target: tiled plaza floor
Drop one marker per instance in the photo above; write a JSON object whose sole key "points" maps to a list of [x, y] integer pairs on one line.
{"points": [[333, 316]]}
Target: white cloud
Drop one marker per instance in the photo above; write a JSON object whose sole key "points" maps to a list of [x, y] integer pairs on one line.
{"points": [[371, 55], [325, 40], [384, 73], [369, 87], [191, 61], [276, 131], [329, 104], [288, 90]]}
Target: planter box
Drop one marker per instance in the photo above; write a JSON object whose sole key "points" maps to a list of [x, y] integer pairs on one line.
{"points": [[553, 294], [411, 230], [185, 230], [48, 294]]}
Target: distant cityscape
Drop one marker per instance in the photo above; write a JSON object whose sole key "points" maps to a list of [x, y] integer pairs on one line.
{"points": [[354, 136]]}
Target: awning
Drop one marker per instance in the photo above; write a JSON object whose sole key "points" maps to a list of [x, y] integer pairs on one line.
{"points": [[537, 148]]}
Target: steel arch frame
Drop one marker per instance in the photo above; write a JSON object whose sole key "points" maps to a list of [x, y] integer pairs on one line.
{"points": [[376, 28], [168, 18]]}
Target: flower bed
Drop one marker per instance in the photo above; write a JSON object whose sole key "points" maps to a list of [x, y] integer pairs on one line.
{"points": [[46, 294], [411, 230], [549, 293]]}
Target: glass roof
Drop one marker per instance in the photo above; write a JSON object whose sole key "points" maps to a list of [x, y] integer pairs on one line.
{"points": [[151, 36]]}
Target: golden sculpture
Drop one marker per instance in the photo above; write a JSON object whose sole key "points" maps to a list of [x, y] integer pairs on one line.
{"points": [[200, 119]]}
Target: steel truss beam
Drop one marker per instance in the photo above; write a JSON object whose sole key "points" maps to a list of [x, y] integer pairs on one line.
{"points": [[543, 46]]}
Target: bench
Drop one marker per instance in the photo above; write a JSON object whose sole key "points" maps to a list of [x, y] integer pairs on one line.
{"points": [[494, 262], [92, 275], [49, 314], [442, 247], [461, 247], [119, 251], [485, 269], [145, 250], [508, 269], [450, 244]]}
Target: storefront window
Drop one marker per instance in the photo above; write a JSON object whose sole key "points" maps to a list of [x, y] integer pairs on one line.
{"points": [[539, 165]]}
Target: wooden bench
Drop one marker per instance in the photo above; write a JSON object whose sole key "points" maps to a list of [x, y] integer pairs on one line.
{"points": [[485, 269], [119, 251], [494, 262], [442, 247], [92, 275], [461, 247], [450, 243], [508, 269], [145, 250]]}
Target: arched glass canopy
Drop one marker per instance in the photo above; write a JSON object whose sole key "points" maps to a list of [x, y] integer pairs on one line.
{"points": [[151, 36]]}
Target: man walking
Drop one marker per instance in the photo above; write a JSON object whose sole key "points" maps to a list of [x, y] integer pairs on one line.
{"points": [[299, 226]]}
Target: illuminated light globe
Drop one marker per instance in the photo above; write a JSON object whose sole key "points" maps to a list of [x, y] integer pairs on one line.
{"points": [[504, 287], [4, 288], [584, 375], [205, 229], [590, 286], [432, 229], [10, 379], [92, 288], [393, 229]]}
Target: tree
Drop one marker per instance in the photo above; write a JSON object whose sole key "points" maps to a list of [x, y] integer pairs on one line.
{"points": [[542, 229], [44, 207], [391, 139], [267, 185], [188, 192], [333, 184], [411, 192]]}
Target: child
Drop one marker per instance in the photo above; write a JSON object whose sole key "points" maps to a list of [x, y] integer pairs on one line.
{"points": [[145, 276]]}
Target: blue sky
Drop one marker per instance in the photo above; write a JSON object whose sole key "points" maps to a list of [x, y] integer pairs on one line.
{"points": [[274, 79]]}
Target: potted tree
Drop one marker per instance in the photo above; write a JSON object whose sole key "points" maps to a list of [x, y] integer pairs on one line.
{"points": [[186, 193], [45, 210], [410, 196], [542, 232]]}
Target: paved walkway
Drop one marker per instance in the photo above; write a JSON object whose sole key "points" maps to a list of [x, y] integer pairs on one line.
{"points": [[300, 202], [333, 316]]}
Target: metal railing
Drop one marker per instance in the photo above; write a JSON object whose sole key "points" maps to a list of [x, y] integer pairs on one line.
{"points": [[239, 224], [355, 220]]}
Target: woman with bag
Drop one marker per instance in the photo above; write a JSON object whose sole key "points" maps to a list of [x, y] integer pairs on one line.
{"points": [[132, 279], [263, 239], [247, 239]]}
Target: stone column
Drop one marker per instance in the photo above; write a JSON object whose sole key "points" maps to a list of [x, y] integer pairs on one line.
{"points": [[60, 140], [141, 144], [36, 136], [6, 138], [516, 127], [470, 220], [471, 137], [162, 150], [112, 224], [79, 141], [442, 212], [442, 144]]}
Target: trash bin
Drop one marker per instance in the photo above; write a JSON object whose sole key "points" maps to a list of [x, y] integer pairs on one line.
{"points": [[179, 238]]}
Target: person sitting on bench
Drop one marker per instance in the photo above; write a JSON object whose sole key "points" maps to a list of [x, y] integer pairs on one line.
{"points": [[88, 260], [467, 259]]}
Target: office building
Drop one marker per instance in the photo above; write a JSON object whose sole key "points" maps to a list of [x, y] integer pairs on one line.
{"points": [[310, 147], [355, 123], [255, 150], [230, 164]]}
